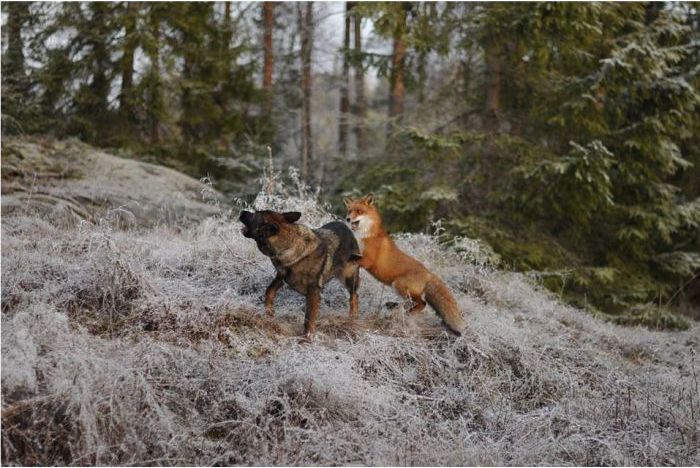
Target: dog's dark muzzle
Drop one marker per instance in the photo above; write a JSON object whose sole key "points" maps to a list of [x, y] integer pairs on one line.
{"points": [[264, 246], [246, 218]]}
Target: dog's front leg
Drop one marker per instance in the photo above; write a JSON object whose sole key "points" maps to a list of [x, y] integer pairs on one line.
{"points": [[313, 302], [271, 293]]}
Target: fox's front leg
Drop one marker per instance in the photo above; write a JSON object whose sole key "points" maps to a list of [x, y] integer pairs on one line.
{"points": [[271, 293]]}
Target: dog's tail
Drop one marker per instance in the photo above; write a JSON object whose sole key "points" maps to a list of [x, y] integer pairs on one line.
{"points": [[441, 299]]}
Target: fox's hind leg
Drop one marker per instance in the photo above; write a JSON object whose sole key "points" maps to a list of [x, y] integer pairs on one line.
{"points": [[414, 299], [418, 305], [352, 283]]}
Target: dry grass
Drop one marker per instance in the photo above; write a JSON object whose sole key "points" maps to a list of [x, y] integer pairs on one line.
{"points": [[143, 343]]}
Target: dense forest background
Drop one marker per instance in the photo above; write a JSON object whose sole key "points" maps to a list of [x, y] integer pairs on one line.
{"points": [[564, 135]]}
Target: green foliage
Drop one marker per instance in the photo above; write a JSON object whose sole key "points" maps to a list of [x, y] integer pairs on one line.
{"points": [[573, 187], [574, 152], [19, 103], [423, 26], [523, 249], [651, 316], [584, 190], [187, 105]]}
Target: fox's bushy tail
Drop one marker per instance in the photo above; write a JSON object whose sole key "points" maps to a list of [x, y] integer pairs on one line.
{"points": [[441, 299]]}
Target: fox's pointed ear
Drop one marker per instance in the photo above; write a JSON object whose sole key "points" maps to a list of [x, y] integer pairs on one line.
{"points": [[369, 199], [292, 216], [348, 201]]}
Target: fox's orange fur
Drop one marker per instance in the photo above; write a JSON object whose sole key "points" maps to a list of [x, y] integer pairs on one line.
{"points": [[386, 262]]}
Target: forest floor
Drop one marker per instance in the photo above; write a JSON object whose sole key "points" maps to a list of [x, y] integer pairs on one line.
{"points": [[132, 334]]}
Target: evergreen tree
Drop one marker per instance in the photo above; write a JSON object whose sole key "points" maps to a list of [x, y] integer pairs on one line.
{"points": [[15, 79]]}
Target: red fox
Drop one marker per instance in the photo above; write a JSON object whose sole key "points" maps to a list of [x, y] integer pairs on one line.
{"points": [[386, 262]]}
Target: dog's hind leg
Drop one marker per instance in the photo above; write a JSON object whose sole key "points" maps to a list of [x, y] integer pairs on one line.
{"points": [[352, 283], [271, 293]]}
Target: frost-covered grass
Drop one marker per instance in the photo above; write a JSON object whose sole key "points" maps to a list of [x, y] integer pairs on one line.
{"points": [[145, 343]]}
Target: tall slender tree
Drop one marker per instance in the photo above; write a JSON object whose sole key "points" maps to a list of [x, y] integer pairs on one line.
{"points": [[345, 86], [14, 77], [13, 58], [306, 27], [493, 87], [93, 100], [126, 99], [268, 59], [154, 85], [398, 64], [360, 105]]}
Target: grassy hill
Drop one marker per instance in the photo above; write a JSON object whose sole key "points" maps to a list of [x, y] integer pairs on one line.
{"points": [[132, 334]]}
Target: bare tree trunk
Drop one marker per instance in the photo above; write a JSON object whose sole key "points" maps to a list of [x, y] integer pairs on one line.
{"points": [[492, 118], [493, 88], [398, 63], [345, 87], [155, 102], [95, 108], [187, 100], [422, 75], [306, 28], [15, 83], [13, 60], [268, 24], [360, 107], [227, 32], [517, 107], [126, 98]]}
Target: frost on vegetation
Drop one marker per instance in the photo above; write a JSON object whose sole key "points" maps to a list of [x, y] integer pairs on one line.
{"points": [[146, 344]]}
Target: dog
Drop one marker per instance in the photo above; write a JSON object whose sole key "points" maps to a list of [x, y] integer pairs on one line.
{"points": [[304, 258]]}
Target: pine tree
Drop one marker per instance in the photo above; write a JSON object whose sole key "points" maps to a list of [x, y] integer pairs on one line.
{"points": [[359, 107], [306, 28], [345, 86], [131, 12], [613, 191], [268, 24], [15, 80], [153, 83], [398, 62]]}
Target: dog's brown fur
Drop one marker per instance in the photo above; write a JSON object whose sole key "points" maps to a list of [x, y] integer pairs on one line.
{"points": [[306, 259]]}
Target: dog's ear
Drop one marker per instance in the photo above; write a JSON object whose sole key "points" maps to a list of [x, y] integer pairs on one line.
{"points": [[348, 201], [292, 216], [369, 199], [245, 217]]}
